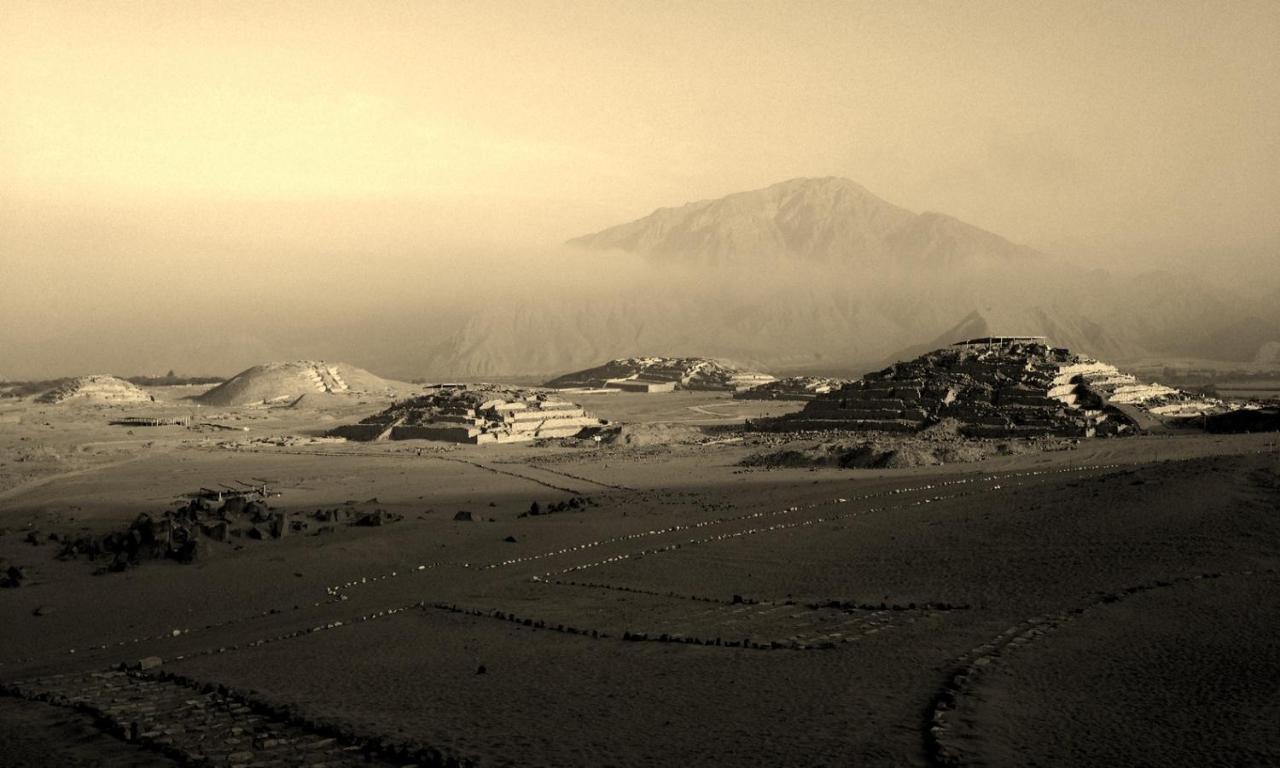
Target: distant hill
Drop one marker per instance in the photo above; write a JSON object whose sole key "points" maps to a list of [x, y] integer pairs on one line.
{"points": [[682, 372], [827, 220]]}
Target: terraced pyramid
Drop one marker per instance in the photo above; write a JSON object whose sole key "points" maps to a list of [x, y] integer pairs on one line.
{"points": [[1000, 387]]}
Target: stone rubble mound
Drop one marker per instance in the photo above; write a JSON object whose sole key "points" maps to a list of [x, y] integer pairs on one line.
{"points": [[480, 415], [1009, 386], [280, 382], [187, 533], [792, 388], [98, 388], [658, 374]]}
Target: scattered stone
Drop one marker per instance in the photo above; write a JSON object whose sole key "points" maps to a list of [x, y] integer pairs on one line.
{"points": [[378, 517], [463, 516]]}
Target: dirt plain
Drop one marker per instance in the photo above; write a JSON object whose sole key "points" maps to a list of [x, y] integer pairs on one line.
{"points": [[1112, 601]]}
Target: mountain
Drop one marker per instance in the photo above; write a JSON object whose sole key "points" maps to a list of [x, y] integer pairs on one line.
{"points": [[821, 276], [827, 220]]}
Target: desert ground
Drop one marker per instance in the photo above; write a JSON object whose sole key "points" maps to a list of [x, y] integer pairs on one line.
{"points": [[1109, 602]]}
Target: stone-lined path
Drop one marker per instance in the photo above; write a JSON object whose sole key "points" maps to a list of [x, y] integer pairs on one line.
{"points": [[233, 729], [942, 745], [206, 725]]}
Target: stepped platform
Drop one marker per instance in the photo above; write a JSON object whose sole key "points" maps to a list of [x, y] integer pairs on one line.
{"points": [[1001, 386], [478, 416], [1005, 386]]}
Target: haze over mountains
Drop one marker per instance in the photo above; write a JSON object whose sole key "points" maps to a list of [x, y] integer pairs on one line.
{"points": [[820, 274], [829, 221]]}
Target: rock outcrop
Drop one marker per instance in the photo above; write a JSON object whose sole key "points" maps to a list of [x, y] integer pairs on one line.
{"points": [[281, 382], [474, 415], [663, 374], [98, 388], [998, 387]]}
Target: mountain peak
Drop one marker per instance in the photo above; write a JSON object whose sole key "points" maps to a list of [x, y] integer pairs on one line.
{"points": [[826, 219]]}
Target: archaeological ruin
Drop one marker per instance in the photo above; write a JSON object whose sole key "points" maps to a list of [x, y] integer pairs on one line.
{"points": [[479, 415], [999, 386], [663, 374], [95, 389], [791, 388], [283, 382]]}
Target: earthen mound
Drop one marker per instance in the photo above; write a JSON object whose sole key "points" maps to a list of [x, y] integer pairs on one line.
{"points": [[664, 374], [659, 433], [474, 415], [281, 382], [95, 389]]}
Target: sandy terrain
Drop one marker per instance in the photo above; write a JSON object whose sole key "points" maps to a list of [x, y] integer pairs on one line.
{"points": [[695, 611]]}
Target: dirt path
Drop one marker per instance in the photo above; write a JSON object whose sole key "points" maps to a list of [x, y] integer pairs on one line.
{"points": [[31, 485]]}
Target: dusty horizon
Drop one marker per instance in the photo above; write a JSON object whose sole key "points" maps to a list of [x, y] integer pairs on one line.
{"points": [[193, 186]]}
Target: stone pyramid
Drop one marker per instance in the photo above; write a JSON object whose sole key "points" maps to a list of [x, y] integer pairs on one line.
{"points": [[1003, 386], [474, 415]]}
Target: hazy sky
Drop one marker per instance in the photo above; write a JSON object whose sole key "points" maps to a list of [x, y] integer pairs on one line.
{"points": [[145, 145]]}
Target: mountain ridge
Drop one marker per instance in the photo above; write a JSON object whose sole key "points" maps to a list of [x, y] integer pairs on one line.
{"points": [[827, 219]]}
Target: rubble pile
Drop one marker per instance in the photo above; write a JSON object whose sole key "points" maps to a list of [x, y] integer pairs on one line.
{"points": [[474, 415], [1016, 386], [98, 388], [664, 374], [187, 533], [792, 388]]}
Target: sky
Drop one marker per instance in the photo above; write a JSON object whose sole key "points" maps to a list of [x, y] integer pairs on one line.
{"points": [[176, 161]]}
